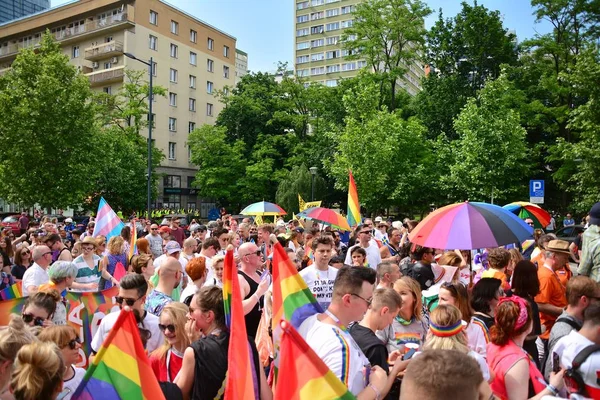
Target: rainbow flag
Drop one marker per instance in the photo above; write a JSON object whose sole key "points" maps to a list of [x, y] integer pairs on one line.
{"points": [[305, 375], [353, 204], [132, 244], [121, 369], [108, 224], [242, 382], [292, 300], [12, 292]]}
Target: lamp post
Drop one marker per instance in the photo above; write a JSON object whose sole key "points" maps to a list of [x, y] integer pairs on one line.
{"points": [[150, 122], [313, 173]]}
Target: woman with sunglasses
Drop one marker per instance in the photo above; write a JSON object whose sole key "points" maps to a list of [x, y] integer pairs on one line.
{"points": [[88, 266], [22, 262], [166, 360], [6, 250], [67, 340], [39, 308]]}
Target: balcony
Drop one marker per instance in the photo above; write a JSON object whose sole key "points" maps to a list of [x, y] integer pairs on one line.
{"points": [[103, 51], [74, 34], [106, 76]]}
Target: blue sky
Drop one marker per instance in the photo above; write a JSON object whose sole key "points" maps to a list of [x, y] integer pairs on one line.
{"points": [[265, 29]]}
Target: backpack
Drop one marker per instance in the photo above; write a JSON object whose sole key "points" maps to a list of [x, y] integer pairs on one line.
{"points": [[573, 380]]}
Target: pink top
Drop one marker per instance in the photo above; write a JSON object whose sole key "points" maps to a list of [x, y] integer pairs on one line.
{"points": [[502, 358]]}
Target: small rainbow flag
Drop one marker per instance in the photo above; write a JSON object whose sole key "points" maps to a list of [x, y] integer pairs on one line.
{"points": [[305, 375], [353, 204], [12, 292], [120, 369], [132, 244], [242, 382]]}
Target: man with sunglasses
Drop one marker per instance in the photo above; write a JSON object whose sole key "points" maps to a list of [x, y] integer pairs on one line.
{"points": [[132, 293], [364, 239], [252, 286], [155, 241], [421, 270], [37, 274], [169, 278]]}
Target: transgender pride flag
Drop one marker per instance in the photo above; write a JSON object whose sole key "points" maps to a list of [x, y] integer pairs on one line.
{"points": [[108, 224]]}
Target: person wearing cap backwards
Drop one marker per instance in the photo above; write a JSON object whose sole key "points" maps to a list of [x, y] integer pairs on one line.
{"points": [[552, 298], [589, 264]]}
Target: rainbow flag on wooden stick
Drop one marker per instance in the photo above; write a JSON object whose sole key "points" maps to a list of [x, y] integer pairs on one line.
{"points": [[353, 204], [12, 292], [120, 369]]}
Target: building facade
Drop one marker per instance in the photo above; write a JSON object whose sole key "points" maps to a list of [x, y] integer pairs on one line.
{"points": [[319, 54], [191, 58], [241, 64], [13, 9]]}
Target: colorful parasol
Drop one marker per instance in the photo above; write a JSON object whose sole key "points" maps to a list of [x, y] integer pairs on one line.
{"points": [[263, 208], [325, 216], [522, 209], [468, 226]]}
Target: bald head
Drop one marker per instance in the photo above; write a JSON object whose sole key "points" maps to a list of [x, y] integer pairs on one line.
{"points": [[42, 255], [169, 266], [249, 256]]}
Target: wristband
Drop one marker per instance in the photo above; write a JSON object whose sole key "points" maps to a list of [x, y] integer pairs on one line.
{"points": [[377, 392], [552, 389], [256, 297]]}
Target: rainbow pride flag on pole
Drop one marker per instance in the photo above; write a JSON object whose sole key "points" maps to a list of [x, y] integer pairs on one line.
{"points": [[242, 382], [12, 292], [120, 369], [353, 204], [305, 375], [108, 223]]}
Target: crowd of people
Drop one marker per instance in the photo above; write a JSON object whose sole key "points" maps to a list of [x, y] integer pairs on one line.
{"points": [[399, 320]]}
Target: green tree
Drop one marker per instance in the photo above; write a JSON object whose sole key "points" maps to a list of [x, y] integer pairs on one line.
{"points": [[390, 36], [298, 182], [48, 133], [490, 158]]}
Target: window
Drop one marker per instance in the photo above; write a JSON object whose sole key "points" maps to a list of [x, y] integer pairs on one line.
{"points": [[361, 64], [209, 87], [209, 109], [333, 68], [333, 26], [302, 59], [347, 24], [173, 75], [153, 42], [107, 90], [192, 104], [225, 71], [349, 66], [333, 40], [172, 181], [302, 5], [317, 2], [317, 71], [172, 152], [191, 127], [172, 124], [347, 9], [332, 54], [331, 83], [303, 46], [193, 36], [210, 65], [302, 18], [153, 17], [173, 99], [331, 1], [302, 72], [193, 58], [211, 44], [175, 27], [317, 43], [317, 29], [226, 51], [174, 50], [154, 69], [317, 15], [317, 57], [192, 81], [332, 12], [75, 52], [107, 65], [302, 32]]}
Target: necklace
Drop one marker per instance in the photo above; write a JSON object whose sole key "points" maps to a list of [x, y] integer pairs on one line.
{"points": [[336, 320], [318, 270], [404, 322]]}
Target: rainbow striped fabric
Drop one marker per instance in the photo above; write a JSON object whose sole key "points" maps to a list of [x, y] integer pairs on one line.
{"points": [[108, 224], [12, 292], [132, 244], [305, 375], [353, 204], [242, 382], [120, 369]]}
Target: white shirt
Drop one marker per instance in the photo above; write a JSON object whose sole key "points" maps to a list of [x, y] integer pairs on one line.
{"points": [[189, 290], [210, 274], [373, 256], [567, 349], [338, 350], [320, 283], [476, 338], [34, 276], [150, 322], [71, 385]]}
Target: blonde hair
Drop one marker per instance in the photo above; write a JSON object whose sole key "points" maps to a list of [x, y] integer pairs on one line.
{"points": [[60, 335], [13, 337], [414, 287], [217, 259], [178, 314], [115, 245], [446, 315], [38, 371]]}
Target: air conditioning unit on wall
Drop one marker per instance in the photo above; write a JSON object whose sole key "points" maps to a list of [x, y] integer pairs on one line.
{"points": [[114, 60], [94, 65]]}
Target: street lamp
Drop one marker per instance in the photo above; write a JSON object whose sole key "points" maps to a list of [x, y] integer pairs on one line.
{"points": [[150, 122], [313, 173]]}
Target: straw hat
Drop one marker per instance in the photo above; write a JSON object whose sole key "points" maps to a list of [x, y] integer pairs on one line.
{"points": [[89, 240]]}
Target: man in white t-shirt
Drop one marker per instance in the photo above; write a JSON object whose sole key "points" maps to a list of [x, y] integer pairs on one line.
{"points": [[364, 240], [320, 276], [132, 293], [568, 347], [326, 333], [37, 274], [210, 248]]}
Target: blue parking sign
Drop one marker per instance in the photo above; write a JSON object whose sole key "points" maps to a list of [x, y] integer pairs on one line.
{"points": [[536, 191]]}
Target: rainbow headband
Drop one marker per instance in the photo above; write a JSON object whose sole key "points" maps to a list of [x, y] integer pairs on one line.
{"points": [[446, 331]]}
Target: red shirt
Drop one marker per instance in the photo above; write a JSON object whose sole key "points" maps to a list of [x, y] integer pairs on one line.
{"points": [[159, 366]]}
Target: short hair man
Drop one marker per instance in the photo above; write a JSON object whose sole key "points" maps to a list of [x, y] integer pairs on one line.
{"points": [[177, 231], [252, 287], [169, 277], [363, 236], [498, 259], [37, 274], [589, 263], [320, 276], [387, 273], [155, 241], [56, 244], [222, 236], [132, 293], [421, 271]]}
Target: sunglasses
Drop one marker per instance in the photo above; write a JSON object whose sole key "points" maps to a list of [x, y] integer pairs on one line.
{"points": [[73, 343], [366, 232], [37, 321], [169, 327], [129, 302], [257, 252]]}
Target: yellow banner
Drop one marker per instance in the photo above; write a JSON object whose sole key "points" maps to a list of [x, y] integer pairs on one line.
{"points": [[310, 204], [258, 220]]}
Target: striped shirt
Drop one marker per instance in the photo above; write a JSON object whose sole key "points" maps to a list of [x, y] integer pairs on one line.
{"points": [[85, 274]]}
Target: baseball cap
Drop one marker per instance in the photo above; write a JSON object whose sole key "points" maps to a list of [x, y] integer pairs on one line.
{"points": [[201, 228], [164, 229], [172, 247], [378, 219], [68, 220], [595, 214]]}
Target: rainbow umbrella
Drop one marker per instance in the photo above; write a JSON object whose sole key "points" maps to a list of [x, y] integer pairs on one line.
{"points": [[468, 226], [263, 208], [539, 216], [325, 216]]}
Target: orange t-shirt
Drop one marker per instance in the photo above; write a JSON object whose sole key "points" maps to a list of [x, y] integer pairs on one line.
{"points": [[564, 274], [539, 259], [494, 273], [551, 292]]}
